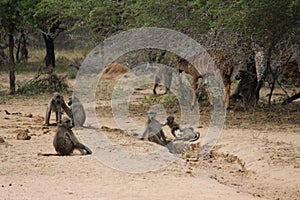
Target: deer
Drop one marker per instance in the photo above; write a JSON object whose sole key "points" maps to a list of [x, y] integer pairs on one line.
{"points": [[223, 66]]}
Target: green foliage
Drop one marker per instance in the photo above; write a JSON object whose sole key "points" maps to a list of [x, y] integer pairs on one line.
{"points": [[151, 100], [185, 16], [265, 21], [72, 72], [44, 14], [170, 101], [9, 12]]}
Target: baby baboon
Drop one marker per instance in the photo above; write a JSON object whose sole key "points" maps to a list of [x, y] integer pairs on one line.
{"points": [[172, 125], [57, 105], [78, 112], [154, 131], [188, 135], [65, 141]]}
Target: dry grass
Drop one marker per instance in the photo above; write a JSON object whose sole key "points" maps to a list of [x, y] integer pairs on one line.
{"points": [[37, 55]]}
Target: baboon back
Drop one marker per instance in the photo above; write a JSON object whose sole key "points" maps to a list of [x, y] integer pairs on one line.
{"points": [[62, 142], [246, 87], [78, 114]]}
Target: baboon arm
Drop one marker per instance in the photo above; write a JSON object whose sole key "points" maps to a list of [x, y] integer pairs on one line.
{"points": [[48, 113], [58, 117], [72, 137], [163, 137], [77, 144], [145, 133], [67, 109], [157, 140], [173, 132]]}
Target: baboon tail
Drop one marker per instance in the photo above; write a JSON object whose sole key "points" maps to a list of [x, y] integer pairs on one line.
{"points": [[48, 154], [88, 151], [197, 136]]}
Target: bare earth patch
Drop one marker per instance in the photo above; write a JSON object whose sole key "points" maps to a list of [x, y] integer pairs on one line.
{"points": [[249, 162]]}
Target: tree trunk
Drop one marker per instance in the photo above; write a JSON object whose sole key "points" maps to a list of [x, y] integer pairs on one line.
{"points": [[18, 51], [11, 45], [262, 64], [22, 48], [50, 56], [292, 98]]}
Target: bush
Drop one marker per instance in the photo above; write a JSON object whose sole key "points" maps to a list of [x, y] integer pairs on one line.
{"points": [[72, 72], [41, 84]]}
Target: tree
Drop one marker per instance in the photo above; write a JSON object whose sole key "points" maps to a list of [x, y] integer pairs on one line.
{"points": [[50, 18], [9, 19], [261, 24]]}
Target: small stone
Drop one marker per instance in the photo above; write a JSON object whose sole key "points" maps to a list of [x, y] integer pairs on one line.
{"points": [[2, 140]]}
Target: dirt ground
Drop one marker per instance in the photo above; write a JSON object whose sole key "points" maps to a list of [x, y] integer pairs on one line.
{"points": [[248, 162]]}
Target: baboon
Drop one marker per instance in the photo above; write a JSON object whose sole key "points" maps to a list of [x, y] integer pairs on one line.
{"points": [[164, 74], [223, 65], [172, 125], [57, 105], [78, 113], [183, 140], [246, 88], [153, 130], [188, 135], [65, 141]]}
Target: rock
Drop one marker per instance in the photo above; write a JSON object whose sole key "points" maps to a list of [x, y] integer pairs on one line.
{"points": [[23, 135]]}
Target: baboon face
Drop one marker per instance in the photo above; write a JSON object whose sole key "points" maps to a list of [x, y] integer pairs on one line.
{"points": [[67, 122], [57, 101], [170, 119], [72, 100], [238, 76], [151, 115]]}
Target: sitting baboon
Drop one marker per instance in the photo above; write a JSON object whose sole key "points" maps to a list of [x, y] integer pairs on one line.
{"points": [[246, 88], [153, 130], [172, 125], [65, 141], [78, 113], [57, 105]]}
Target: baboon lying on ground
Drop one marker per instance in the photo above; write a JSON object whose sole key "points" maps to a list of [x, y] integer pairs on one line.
{"points": [[172, 125], [183, 140], [187, 135], [57, 105], [153, 130], [65, 141], [246, 88], [78, 112]]}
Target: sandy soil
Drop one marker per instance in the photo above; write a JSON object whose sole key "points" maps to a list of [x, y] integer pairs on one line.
{"points": [[245, 164]]}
